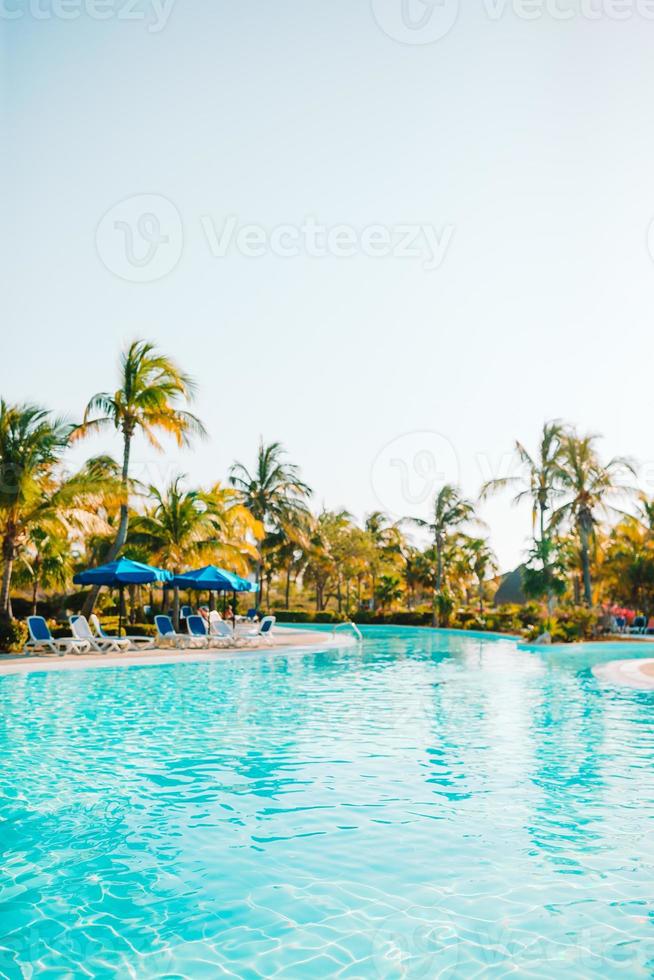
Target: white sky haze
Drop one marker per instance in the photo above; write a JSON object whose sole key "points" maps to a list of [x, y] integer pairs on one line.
{"points": [[483, 203]]}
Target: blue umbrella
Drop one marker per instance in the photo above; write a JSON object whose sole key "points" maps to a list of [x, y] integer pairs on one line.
{"points": [[120, 573], [214, 579]]}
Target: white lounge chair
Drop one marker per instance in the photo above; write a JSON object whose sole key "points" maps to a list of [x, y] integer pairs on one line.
{"points": [[81, 630], [263, 631], [42, 641], [223, 631], [125, 642]]}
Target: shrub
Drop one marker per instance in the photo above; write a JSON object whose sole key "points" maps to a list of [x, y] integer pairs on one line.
{"points": [[504, 619], [13, 635], [574, 624]]}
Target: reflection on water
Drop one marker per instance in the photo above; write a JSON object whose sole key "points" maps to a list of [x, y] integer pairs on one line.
{"points": [[430, 804]]}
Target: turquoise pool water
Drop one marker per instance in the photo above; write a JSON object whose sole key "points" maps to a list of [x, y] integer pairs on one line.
{"points": [[427, 805]]}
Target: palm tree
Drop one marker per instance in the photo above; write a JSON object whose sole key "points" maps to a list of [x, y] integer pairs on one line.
{"points": [[449, 512], [325, 554], [184, 527], [238, 531], [320, 567], [151, 386], [45, 563], [590, 486], [628, 570], [389, 590], [32, 443], [645, 512], [417, 572], [273, 492], [482, 562], [288, 546], [538, 480], [386, 545]]}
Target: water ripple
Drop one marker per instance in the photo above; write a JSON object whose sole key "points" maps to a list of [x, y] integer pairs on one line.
{"points": [[428, 806]]}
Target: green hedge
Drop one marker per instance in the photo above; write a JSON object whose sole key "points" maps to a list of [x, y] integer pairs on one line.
{"points": [[406, 618], [302, 616], [110, 624]]}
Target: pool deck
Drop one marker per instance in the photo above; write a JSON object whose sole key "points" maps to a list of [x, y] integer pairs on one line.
{"points": [[637, 674], [281, 641]]}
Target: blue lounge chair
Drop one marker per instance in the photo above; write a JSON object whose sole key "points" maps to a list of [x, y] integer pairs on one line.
{"points": [[197, 630], [167, 634], [638, 625], [42, 641]]}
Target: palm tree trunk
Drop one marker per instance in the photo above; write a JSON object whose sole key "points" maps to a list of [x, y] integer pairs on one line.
{"points": [[259, 571], [549, 593], [123, 523], [585, 564], [8, 555], [435, 615], [584, 536], [288, 585], [35, 595]]}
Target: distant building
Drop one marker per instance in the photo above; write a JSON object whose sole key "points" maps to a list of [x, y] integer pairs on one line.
{"points": [[510, 588]]}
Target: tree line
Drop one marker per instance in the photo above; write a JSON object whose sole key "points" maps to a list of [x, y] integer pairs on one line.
{"points": [[592, 532]]}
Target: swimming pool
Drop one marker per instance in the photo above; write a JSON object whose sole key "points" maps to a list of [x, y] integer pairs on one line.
{"points": [[425, 805]]}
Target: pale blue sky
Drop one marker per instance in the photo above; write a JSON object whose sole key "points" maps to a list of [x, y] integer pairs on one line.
{"points": [[532, 140]]}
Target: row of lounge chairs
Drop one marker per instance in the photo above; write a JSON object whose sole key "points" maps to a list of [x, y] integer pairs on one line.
{"points": [[212, 633], [91, 638], [640, 625], [83, 638]]}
